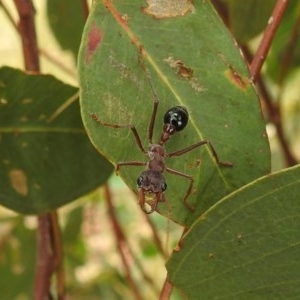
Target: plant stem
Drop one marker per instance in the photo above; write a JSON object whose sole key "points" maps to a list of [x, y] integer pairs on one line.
{"points": [[266, 41], [166, 291], [49, 249], [27, 31], [45, 257], [121, 243]]}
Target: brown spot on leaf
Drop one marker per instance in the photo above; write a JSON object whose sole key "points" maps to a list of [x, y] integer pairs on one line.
{"points": [[181, 68], [161, 9], [94, 39], [184, 71], [18, 180], [236, 78]]}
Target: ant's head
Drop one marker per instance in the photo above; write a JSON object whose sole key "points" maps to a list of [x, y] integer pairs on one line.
{"points": [[175, 119], [151, 184], [152, 181]]}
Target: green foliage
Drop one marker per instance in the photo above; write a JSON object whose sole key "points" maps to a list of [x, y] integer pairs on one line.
{"points": [[123, 97], [242, 240], [248, 246], [46, 161], [249, 18], [66, 20]]}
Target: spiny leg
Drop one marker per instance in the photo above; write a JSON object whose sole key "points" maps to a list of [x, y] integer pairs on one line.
{"points": [[131, 127], [190, 188], [199, 144]]}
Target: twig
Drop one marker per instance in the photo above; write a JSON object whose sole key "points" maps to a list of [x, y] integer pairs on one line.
{"points": [[166, 291], [274, 114], [27, 31], [49, 249], [58, 255], [121, 243], [44, 52], [45, 257], [268, 36]]}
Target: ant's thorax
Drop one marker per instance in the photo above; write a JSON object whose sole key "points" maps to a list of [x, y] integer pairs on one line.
{"points": [[156, 152], [156, 155]]}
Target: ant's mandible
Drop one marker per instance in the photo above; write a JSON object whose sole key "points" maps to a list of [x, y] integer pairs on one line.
{"points": [[151, 182]]}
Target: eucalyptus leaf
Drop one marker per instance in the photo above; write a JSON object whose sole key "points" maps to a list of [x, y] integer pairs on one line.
{"points": [[246, 246], [46, 159], [67, 33], [249, 18], [192, 61]]}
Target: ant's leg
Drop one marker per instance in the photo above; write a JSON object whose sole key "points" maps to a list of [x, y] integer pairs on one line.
{"points": [[189, 191], [199, 144], [129, 163], [155, 99], [132, 128]]}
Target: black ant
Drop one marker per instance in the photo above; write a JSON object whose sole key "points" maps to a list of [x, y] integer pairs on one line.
{"points": [[151, 182]]}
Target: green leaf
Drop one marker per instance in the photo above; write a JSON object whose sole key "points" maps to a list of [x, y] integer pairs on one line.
{"points": [[249, 18], [66, 19], [192, 61], [45, 161], [246, 246]]}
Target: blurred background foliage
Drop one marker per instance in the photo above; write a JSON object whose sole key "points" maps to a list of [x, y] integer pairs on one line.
{"points": [[93, 265]]}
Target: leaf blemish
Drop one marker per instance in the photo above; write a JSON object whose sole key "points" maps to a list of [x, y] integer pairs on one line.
{"points": [[236, 78], [3, 101], [161, 9], [95, 36], [18, 180], [27, 101], [124, 71], [185, 72], [181, 68]]}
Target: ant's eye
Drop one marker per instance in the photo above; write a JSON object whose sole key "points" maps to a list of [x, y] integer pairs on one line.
{"points": [[177, 116], [139, 181], [163, 186]]}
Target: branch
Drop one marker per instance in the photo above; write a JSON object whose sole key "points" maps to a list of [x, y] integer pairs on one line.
{"points": [[166, 291], [45, 257], [26, 27], [49, 249], [266, 41]]}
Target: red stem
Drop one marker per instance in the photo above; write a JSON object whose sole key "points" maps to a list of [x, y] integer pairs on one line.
{"points": [[166, 291], [266, 41], [45, 256], [49, 249], [26, 27]]}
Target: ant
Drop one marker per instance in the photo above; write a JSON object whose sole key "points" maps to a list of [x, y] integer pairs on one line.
{"points": [[151, 182]]}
